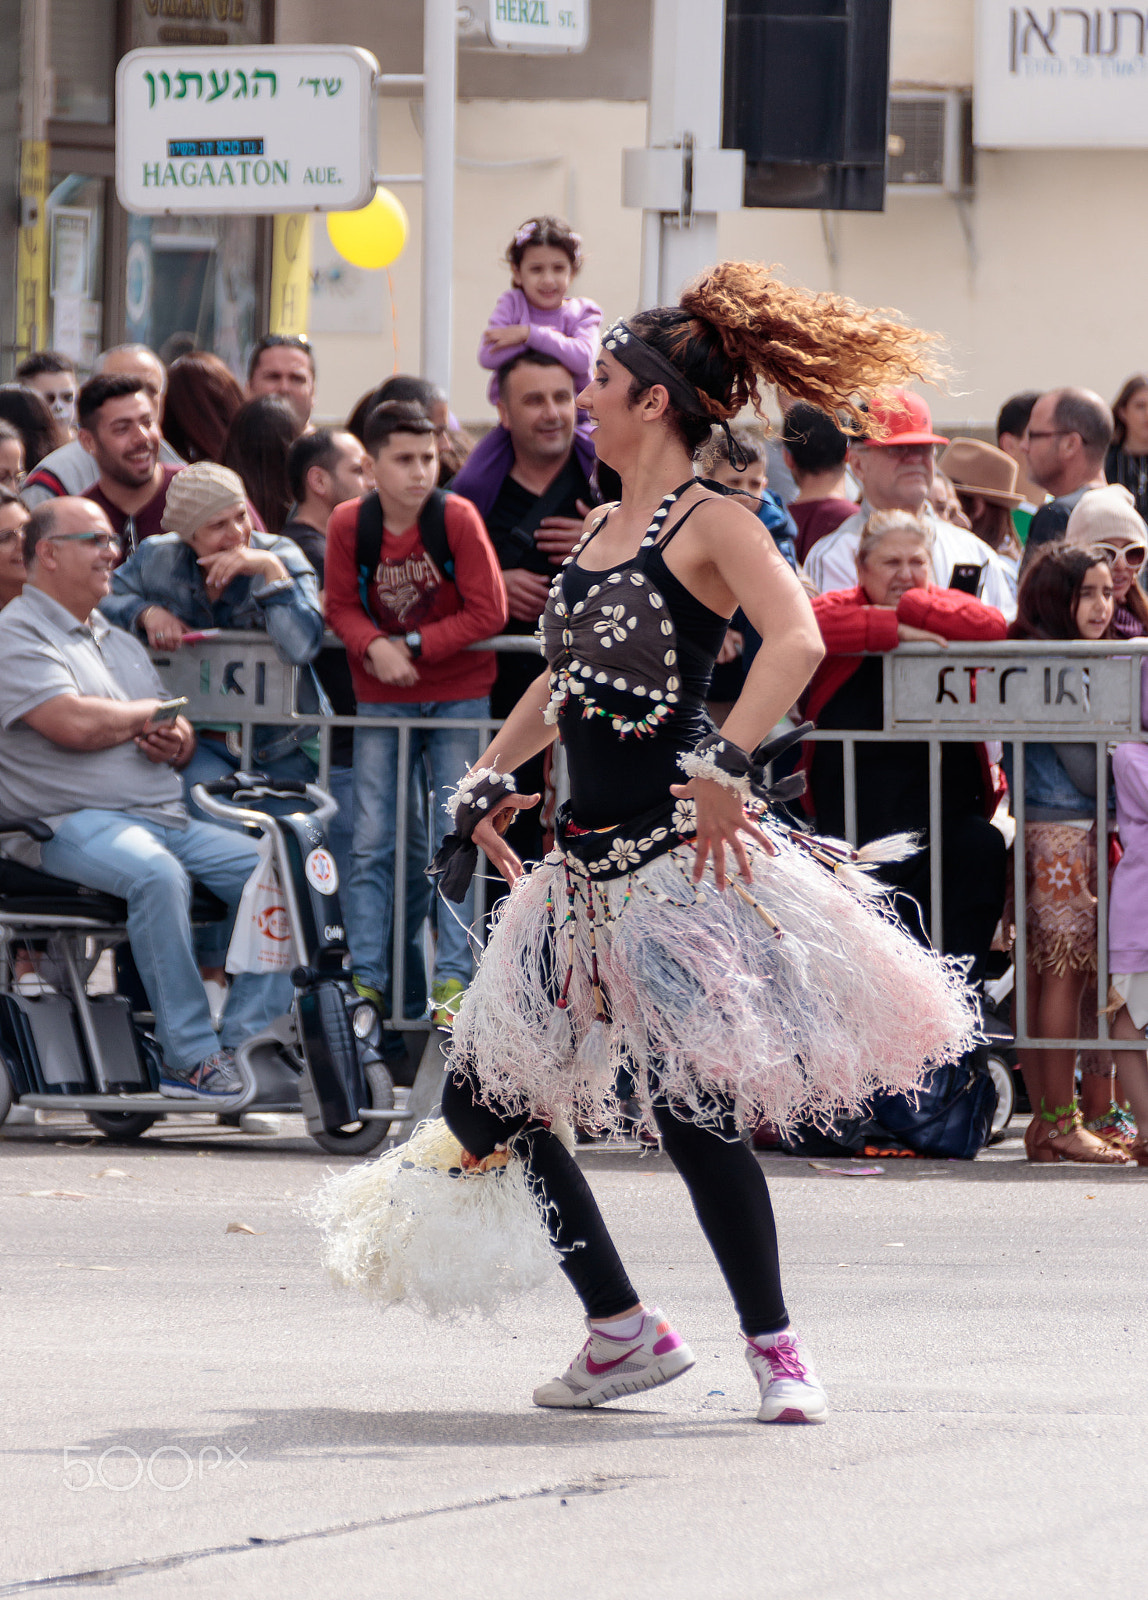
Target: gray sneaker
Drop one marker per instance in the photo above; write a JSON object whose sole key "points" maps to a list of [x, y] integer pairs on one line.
{"points": [[214, 1078]]}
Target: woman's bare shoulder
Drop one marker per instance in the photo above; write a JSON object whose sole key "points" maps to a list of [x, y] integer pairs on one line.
{"points": [[722, 515], [596, 517]]}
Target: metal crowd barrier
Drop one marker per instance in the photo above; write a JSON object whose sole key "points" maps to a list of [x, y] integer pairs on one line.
{"points": [[1012, 693], [1018, 693], [238, 678]]}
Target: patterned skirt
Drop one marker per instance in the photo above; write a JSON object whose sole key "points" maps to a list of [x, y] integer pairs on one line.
{"points": [[1060, 879], [789, 999]]}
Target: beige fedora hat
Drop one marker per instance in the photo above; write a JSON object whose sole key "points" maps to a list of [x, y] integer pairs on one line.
{"points": [[979, 468]]}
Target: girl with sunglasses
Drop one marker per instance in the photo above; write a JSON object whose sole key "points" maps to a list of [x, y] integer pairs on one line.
{"points": [[1106, 520]]}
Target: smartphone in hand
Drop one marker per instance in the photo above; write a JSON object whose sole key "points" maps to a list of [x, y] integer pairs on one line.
{"points": [[966, 576], [168, 710]]}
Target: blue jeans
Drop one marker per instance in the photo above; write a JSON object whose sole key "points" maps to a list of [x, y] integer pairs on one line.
{"points": [[419, 900], [151, 867], [448, 752], [340, 784]]}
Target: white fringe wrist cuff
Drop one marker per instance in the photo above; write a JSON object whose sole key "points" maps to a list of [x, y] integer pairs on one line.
{"points": [[695, 766], [474, 796], [719, 761]]}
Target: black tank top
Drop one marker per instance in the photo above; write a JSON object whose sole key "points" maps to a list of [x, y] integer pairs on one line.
{"points": [[627, 715]]}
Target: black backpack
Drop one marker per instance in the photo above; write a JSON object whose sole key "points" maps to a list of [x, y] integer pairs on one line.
{"points": [[369, 538]]}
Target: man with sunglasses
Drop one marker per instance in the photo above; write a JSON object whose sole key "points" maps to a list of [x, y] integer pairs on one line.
{"points": [[283, 364], [82, 748], [53, 376], [1065, 443], [895, 470]]}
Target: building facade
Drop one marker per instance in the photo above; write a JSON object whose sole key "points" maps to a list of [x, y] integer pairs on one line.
{"points": [[1025, 257]]}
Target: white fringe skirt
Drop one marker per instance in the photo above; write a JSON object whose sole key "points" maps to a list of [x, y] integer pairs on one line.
{"points": [[788, 1000]]}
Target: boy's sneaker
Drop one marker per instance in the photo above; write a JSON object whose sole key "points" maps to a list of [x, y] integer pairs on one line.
{"points": [[446, 997], [789, 1388], [215, 1078], [365, 992], [607, 1366]]}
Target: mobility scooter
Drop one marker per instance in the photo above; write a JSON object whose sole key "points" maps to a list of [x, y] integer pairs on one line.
{"points": [[70, 1050]]}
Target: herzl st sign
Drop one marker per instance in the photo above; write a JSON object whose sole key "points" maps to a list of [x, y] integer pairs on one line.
{"points": [[1061, 77]]}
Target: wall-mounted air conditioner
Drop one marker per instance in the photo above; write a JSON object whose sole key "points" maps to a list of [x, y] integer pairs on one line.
{"points": [[930, 141]]}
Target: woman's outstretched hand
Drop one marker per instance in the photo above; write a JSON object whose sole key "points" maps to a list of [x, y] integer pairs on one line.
{"points": [[721, 821], [488, 835]]}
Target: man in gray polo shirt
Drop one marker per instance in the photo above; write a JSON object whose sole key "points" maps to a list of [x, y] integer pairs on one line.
{"points": [[80, 749]]}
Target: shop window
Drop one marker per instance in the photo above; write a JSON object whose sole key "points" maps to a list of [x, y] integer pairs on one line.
{"points": [[83, 56], [75, 229], [190, 285]]}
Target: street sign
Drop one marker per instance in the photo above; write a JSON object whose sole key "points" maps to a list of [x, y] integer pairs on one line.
{"points": [[537, 27], [255, 129]]}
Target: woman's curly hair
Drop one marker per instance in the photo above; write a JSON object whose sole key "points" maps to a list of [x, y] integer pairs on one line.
{"points": [[738, 326]]}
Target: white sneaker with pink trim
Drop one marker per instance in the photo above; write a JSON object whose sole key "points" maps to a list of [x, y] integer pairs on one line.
{"points": [[607, 1366], [790, 1391]]}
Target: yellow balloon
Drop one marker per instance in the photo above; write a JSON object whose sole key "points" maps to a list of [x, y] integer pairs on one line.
{"points": [[373, 237]]}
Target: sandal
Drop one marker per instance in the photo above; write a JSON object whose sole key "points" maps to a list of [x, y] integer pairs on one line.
{"points": [[1138, 1150], [1115, 1127], [1069, 1140], [1036, 1145]]}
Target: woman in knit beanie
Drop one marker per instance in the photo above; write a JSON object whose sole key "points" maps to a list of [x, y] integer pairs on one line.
{"points": [[1107, 519], [211, 569]]}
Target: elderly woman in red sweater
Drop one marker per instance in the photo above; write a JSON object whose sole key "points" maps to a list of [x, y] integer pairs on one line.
{"points": [[895, 602]]}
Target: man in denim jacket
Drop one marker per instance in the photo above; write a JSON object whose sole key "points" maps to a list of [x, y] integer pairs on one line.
{"points": [[210, 569]]}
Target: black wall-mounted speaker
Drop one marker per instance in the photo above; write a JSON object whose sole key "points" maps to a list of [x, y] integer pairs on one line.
{"points": [[806, 97]]}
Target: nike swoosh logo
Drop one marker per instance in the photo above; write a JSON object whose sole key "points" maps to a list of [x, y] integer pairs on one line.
{"points": [[597, 1368]]}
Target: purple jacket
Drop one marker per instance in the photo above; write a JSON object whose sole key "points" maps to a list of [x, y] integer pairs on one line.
{"points": [[1128, 902], [569, 334], [482, 475]]}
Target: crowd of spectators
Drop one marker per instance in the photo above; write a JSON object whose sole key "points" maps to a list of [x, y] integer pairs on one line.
{"points": [[229, 508]]}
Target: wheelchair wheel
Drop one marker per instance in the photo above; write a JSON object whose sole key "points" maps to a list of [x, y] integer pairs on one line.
{"points": [[121, 1127], [6, 1094], [359, 1138]]}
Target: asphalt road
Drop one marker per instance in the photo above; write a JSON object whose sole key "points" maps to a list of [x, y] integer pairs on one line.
{"points": [[195, 1412]]}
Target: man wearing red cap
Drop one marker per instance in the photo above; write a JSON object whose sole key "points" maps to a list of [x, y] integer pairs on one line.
{"points": [[895, 471]]}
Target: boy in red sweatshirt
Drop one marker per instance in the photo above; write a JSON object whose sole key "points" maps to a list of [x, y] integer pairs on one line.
{"points": [[407, 599]]}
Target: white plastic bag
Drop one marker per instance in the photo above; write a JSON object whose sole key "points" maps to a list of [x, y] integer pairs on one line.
{"points": [[262, 940]]}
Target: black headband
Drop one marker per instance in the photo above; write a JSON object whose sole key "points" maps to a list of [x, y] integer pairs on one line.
{"points": [[650, 366]]}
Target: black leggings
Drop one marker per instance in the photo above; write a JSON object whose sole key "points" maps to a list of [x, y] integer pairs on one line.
{"points": [[726, 1185]]}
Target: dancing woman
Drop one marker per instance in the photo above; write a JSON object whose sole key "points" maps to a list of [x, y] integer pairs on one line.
{"points": [[677, 928]]}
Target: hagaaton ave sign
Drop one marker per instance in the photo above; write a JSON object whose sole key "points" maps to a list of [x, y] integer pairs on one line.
{"points": [[270, 128]]}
